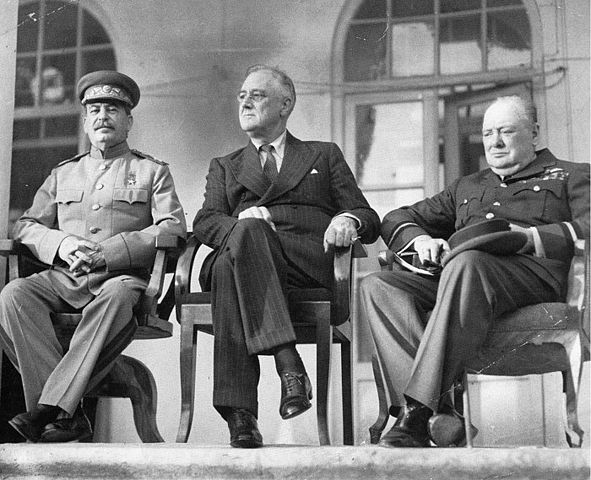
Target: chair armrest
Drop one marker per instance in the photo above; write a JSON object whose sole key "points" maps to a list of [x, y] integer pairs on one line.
{"points": [[184, 272], [7, 247], [343, 267], [386, 259]]}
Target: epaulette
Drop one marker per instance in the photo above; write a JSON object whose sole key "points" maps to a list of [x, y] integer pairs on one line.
{"points": [[147, 157], [73, 159]]}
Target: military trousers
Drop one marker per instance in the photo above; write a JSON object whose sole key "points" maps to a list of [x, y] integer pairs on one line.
{"points": [[50, 374], [425, 329]]}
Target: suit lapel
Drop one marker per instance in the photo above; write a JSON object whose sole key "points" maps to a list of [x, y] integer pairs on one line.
{"points": [[297, 162], [248, 172]]}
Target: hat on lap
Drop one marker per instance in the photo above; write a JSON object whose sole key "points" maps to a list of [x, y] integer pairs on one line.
{"points": [[493, 236], [108, 85]]}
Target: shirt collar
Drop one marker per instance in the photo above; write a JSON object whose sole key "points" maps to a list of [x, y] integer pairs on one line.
{"points": [[278, 144]]}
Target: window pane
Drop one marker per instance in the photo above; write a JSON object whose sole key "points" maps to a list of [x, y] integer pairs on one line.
{"points": [[58, 79], [508, 39], [28, 27], [62, 126], [413, 49], [459, 5], [26, 129], [383, 201], [411, 8], [24, 85], [502, 3], [389, 144], [92, 31], [30, 167], [97, 60], [365, 52], [60, 25], [372, 9], [460, 44]]}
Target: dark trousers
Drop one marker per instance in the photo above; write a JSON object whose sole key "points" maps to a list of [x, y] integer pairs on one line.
{"points": [[421, 355], [250, 279]]}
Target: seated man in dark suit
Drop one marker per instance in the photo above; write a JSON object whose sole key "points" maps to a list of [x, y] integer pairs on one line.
{"points": [[273, 210], [544, 198]]}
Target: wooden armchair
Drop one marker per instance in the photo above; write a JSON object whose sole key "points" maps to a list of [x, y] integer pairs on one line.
{"points": [[320, 316], [537, 339], [128, 378]]}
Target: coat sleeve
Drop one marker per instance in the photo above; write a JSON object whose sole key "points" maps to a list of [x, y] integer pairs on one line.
{"points": [[214, 220], [136, 249], [557, 239], [434, 216], [349, 199], [38, 228]]}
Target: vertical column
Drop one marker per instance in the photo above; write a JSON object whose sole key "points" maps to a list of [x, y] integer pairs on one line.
{"points": [[8, 31]]}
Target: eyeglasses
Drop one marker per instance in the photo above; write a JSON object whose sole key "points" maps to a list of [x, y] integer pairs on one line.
{"points": [[256, 97]]}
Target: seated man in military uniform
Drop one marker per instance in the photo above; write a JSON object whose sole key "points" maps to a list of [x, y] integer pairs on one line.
{"points": [[95, 220]]}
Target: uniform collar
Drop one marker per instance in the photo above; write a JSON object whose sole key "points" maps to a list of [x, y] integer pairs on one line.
{"points": [[112, 152], [544, 158]]}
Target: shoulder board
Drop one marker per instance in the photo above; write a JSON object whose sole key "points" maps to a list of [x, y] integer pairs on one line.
{"points": [[73, 159], [147, 157]]}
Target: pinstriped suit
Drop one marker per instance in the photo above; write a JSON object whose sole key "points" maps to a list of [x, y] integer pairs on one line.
{"points": [[252, 266]]}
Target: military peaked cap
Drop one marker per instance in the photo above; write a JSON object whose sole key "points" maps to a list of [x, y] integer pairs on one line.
{"points": [[108, 85]]}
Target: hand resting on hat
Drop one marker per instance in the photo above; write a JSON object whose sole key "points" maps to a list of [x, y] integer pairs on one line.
{"points": [[431, 250], [529, 246]]}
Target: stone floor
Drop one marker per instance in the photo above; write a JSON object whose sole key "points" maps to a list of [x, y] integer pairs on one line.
{"points": [[180, 461]]}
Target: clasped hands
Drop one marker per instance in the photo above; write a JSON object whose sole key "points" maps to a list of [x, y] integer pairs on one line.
{"points": [[83, 256], [341, 232]]}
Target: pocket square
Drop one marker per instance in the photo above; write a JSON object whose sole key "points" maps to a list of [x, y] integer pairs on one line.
{"points": [[314, 171]]}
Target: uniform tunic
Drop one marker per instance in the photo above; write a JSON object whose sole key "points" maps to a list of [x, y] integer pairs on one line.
{"points": [[122, 201]]}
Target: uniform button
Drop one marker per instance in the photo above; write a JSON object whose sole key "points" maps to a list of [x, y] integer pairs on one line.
{"points": [[103, 167], [503, 185], [96, 206], [497, 204], [490, 215], [465, 201], [94, 230], [536, 188], [99, 186]]}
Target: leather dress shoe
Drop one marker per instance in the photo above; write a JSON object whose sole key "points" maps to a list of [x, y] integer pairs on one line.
{"points": [[30, 424], [296, 393], [448, 430], [68, 429], [410, 428], [244, 431]]}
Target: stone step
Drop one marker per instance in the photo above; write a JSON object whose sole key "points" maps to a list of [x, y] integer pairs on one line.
{"points": [[181, 461]]}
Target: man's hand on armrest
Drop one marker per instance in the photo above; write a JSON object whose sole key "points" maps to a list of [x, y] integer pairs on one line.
{"points": [[341, 232]]}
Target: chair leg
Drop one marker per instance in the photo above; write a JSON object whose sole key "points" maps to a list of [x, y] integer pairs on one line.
{"points": [[375, 431], [467, 412], [323, 347], [573, 431], [188, 358], [347, 394], [139, 385]]}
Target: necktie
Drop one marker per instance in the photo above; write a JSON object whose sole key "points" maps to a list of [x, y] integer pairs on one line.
{"points": [[270, 166]]}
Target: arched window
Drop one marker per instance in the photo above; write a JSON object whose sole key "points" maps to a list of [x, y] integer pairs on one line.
{"points": [[404, 38], [57, 43]]}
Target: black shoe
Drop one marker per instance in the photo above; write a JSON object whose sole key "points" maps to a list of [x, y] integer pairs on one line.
{"points": [[244, 431], [30, 424], [410, 428], [448, 430], [68, 429], [296, 393]]}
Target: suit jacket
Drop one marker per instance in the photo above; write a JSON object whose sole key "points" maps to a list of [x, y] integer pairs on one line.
{"points": [[313, 185], [549, 194], [122, 202]]}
